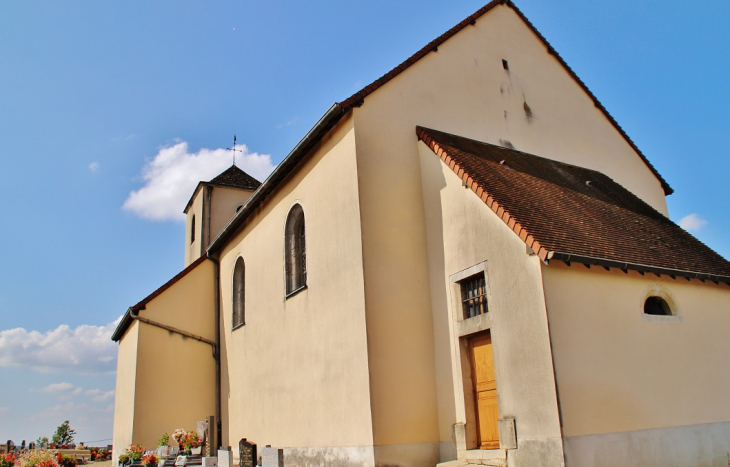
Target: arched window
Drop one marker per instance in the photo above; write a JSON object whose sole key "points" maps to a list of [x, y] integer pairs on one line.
{"points": [[655, 305], [239, 294], [295, 251], [192, 230]]}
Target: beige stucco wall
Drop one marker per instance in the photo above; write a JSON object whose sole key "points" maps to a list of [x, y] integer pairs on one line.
{"points": [[165, 380], [463, 232], [194, 250], [298, 370], [125, 391], [463, 89], [619, 370], [224, 201]]}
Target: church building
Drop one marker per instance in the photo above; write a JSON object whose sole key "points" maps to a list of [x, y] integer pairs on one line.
{"points": [[466, 262]]}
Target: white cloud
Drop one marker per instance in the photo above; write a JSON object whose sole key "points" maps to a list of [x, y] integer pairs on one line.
{"points": [[94, 166], [56, 387], [172, 175], [99, 395], [84, 350], [4, 409], [692, 222]]}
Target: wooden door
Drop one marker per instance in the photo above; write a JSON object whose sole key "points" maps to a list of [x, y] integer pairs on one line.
{"points": [[485, 391]]}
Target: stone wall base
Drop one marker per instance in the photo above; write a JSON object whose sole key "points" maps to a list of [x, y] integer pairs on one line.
{"points": [[703, 445]]}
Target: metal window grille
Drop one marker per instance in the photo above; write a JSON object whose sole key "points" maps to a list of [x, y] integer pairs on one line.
{"points": [[474, 295]]}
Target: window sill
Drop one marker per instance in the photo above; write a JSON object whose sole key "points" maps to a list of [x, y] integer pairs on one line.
{"points": [[294, 292], [238, 327]]}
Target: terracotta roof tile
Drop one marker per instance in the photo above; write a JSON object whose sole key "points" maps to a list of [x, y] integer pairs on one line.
{"points": [[574, 213], [358, 98]]}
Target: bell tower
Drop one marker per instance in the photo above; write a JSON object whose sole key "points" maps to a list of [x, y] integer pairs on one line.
{"points": [[212, 205]]}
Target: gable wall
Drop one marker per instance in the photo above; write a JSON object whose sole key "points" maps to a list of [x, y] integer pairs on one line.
{"points": [[629, 379], [165, 380], [463, 232], [461, 89], [296, 374]]}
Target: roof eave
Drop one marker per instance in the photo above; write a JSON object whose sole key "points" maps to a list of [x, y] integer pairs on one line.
{"points": [[195, 193], [127, 319], [300, 151], [642, 268], [123, 325], [358, 98]]}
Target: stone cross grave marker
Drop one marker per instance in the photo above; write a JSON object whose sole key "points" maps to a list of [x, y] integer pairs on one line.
{"points": [[247, 453]]}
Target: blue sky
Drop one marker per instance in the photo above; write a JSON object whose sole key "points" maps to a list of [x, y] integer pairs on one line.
{"points": [[100, 100]]}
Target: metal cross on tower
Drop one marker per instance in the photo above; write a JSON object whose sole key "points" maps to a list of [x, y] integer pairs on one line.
{"points": [[234, 149]]}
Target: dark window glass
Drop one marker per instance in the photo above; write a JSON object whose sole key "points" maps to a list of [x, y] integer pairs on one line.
{"points": [[657, 306], [474, 295], [239, 293], [295, 250], [192, 229]]}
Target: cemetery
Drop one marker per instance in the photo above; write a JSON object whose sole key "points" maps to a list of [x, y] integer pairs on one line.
{"points": [[195, 448]]}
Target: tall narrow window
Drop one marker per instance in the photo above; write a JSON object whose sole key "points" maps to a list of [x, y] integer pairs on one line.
{"points": [[295, 251], [192, 230], [239, 294]]}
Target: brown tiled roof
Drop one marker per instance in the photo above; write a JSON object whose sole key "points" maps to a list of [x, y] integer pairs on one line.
{"points": [[357, 99], [571, 213], [235, 177]]}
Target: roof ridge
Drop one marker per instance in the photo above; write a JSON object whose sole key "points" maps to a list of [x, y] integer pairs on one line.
{"points": [[358, 98]]}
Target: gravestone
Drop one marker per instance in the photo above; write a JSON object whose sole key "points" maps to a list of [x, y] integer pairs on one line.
{"points": [[247, 453], [272, 457], [225, 457]]}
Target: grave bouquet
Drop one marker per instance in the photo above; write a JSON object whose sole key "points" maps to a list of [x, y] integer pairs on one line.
{"points": [[192, 440], [150, 459], [135, 451], [179, 437]]}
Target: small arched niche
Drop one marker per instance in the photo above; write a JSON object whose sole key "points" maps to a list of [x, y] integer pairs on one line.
{"points": [[657, 306]]}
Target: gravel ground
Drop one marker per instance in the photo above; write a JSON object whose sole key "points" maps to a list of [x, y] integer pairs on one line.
{"points": [[100, 464]]}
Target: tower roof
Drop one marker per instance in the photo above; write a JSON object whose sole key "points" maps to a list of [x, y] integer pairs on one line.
{"points": [[232, 177], [235, 177]]}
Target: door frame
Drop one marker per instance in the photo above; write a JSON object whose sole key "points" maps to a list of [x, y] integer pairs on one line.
{"points": [[465, 430]]}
